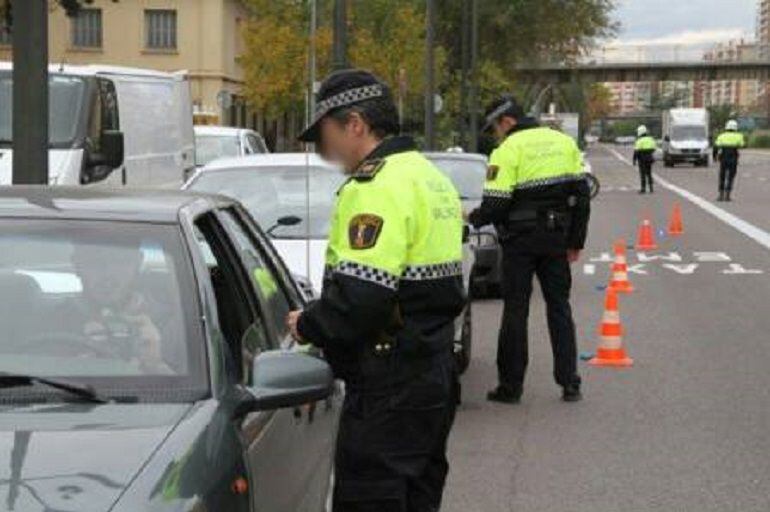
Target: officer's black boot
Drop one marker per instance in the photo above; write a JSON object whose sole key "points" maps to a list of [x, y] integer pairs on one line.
{"points": [[721, 195], [572, 393], [727, 195], [505, 394]]}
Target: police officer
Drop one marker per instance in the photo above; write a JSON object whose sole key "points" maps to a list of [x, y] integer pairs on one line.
{"points": [[392, 290], [536, 196], [726, 150], [644, 155]]}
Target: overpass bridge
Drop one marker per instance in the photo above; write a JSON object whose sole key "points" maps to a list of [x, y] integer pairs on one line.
{"points": [[644, 72]]}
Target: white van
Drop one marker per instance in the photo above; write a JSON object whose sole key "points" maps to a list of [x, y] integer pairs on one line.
{"points": [[686, 136], [110, 125]]}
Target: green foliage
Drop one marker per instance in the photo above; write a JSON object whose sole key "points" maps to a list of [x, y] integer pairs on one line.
{"points": [[760, 139], [387, 37]]}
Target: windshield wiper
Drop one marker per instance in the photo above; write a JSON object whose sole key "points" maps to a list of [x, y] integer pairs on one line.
{"points": [[83, 391]]}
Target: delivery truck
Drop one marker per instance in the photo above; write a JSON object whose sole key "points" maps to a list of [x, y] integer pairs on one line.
{"points": [[686, 136], [108, 125]]}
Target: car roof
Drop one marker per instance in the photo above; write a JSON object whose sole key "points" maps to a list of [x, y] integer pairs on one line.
{"points": [[99, 69], [268, 160], [88, 203], [208, 129], [454, 155]]}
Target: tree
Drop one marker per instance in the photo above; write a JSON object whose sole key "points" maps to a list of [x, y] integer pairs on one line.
{"points": [[599, 103]]}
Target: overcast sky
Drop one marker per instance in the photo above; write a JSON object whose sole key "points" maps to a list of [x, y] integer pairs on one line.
{"points": [[677, 30]]}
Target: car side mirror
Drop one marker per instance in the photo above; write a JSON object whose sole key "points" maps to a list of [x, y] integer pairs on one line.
{"points": [[286, 379], [667, 138], [289, 220], [100, 165]]}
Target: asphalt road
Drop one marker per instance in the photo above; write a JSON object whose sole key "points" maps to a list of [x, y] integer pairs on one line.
{"points": [[688, 427]]}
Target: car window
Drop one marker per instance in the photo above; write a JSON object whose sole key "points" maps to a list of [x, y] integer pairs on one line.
{"points": [[267, 249], [244, 330], [257, 145], [263, 278], [467, 175], [272, 192], [99, 301], [210, 147]]}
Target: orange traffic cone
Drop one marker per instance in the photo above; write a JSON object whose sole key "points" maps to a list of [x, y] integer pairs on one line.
{"points": [[619, 281], [675, 225], [646, 239], [611, 351]]}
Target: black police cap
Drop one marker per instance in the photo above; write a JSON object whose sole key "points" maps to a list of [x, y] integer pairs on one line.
{"points": [[505, 105], [343, 89]]}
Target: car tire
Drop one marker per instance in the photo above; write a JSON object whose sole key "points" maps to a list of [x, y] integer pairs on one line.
{"points": [[463, 347]]}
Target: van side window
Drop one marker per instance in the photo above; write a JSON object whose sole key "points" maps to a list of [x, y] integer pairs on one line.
{"points": [[104, 114], [109, 105]]}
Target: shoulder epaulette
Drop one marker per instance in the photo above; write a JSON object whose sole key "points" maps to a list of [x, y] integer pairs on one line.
{"points": [[368, 169]]}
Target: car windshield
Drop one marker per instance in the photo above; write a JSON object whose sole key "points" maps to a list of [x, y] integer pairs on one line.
{"points": [[210, 147], [688, 133], [66, 99], [270, 193], [467, 174], [99, 303]]}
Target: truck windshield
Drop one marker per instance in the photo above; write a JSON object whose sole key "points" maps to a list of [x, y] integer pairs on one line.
{"points": [[688, 133], [66, 99]]}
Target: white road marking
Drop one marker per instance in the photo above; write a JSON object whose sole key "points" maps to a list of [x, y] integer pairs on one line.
{"points": [[711, 257], [682, 269], [644, 257], [737, 268], [605, 257], [637, 269], [750, 230]]}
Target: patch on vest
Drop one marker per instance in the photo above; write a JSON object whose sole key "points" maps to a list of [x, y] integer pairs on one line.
{"points": [[492, 172], [364, 230]]}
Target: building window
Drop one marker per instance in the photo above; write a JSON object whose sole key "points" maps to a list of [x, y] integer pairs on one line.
{"points": [[160, 29], [5, 34], [87, 29]]}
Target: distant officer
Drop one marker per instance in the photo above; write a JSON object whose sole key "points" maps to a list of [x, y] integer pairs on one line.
{"points": [[726, 150], [392, 291], [539, 201], [644, 155]]}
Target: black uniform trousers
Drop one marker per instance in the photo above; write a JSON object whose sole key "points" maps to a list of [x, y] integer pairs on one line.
{"points": [[645, 173], [520, 264], [728, 168], [391, 445]]}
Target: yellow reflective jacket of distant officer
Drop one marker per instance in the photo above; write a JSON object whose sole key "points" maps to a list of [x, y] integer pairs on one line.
{"points": [[533, 169], [727, 146], [393, 265], [644, 149]]}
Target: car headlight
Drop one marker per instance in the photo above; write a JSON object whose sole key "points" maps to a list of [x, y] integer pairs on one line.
{"points": [[481, 240]]}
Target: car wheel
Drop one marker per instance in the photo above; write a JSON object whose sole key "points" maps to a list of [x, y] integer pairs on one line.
{"points": [[463, 348]]}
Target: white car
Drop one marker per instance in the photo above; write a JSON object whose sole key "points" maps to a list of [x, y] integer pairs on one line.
{"points": [[213, 142], [291, 195]]}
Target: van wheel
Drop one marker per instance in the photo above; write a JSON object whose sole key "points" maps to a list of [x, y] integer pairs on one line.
{"points": [[463, 347]]}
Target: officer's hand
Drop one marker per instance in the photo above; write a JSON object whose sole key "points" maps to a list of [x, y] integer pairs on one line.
{"points": [[292, 319], [573, 255]]}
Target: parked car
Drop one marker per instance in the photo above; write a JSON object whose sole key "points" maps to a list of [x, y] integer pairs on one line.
{"points": [[144, 360], [468, 172], [213, 142], [292, 195], [100, 130]]}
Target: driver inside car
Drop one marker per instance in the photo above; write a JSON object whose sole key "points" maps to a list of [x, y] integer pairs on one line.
{"points": [[112, 316]]}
